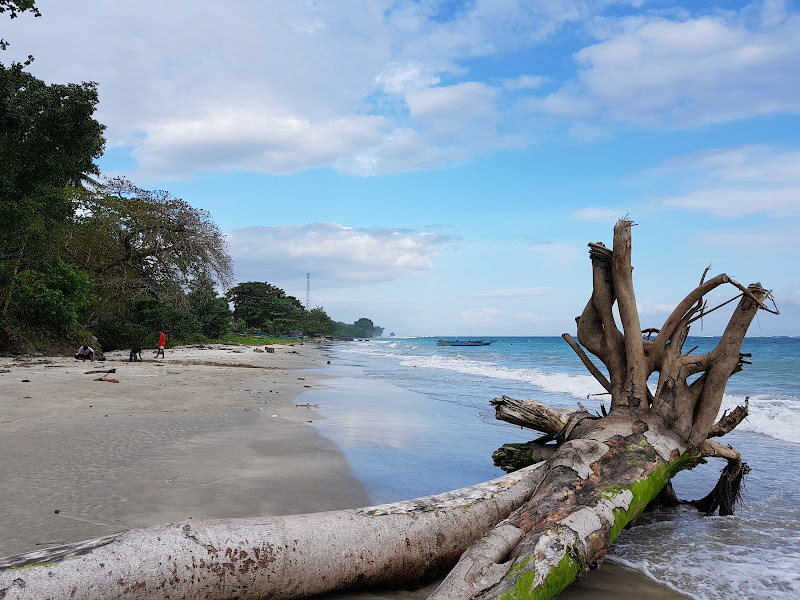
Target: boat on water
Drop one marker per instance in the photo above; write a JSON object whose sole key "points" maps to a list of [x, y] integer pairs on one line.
{"points": [[463, 342]]}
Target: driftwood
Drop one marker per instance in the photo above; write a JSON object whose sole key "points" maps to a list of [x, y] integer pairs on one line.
{"points": [[105, 371], [271, 557], [606, 470]]}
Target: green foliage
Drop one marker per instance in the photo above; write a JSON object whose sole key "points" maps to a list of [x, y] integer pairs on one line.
{"points": [[363, 328], [48, 140], [317, 322], [266, 307], [210, 310], [50, 297]]}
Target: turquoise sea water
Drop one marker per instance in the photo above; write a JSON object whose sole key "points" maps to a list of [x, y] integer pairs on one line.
{"points": [[413, 418]]}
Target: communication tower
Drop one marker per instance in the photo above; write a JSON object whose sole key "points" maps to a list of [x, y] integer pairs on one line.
{"points": [[308, 290]]}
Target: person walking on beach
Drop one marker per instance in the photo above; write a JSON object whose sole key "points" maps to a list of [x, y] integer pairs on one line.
{"points": [[85, 352], [162, 341]]}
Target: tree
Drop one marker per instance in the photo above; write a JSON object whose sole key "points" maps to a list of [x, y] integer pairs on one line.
{"points": [[210, 310], [266, 306], [555, 519], [362, 328], [142, 243], [48, 140], [317, 322]]}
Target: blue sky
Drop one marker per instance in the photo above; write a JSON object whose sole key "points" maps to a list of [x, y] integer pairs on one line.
{"points": [[440, 166]]}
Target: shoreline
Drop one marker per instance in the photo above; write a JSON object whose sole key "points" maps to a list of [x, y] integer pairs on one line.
{"points": [[206, 432]]}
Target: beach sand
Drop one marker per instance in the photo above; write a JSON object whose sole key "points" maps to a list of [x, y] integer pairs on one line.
{"points": [[206, 432]]}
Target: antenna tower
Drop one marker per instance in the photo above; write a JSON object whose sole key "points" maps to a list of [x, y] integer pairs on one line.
{"points": [[308, 290]]}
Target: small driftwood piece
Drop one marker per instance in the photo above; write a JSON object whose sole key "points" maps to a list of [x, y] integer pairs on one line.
{"points": [[308, 405], [101, 371], [108, 379]]}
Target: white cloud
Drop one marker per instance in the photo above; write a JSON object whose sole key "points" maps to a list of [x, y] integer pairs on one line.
{"points": [[331, 252], [737, 203], [479, 315], [735, 181], [283, 86], [256, 139], [525, 82], [662, 73], [405, 78], [358, 85]]}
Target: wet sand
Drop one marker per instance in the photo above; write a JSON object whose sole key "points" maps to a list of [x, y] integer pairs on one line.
{"points": [[203, 433]]}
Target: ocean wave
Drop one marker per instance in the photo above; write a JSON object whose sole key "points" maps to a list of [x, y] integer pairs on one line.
{"points": [[577, 386], [776, 416]]}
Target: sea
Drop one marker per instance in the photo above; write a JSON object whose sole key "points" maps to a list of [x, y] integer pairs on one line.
{"points": [[413, 419]]}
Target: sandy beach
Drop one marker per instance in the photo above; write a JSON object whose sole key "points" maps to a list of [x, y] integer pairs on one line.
{"points": [[206, 432]]}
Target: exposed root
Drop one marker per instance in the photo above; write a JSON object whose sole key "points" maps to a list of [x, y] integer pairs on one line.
{"points": [[727, 493]]}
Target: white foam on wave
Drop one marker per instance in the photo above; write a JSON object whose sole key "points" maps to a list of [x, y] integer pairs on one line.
{"points": [[715, 559], [777, 416], [577, 386]]}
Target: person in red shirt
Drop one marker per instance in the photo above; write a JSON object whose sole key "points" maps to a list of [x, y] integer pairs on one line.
{"points": [[162, 341]]}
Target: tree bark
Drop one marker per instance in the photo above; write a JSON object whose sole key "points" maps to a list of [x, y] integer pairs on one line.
{"points": [[271, 557]]}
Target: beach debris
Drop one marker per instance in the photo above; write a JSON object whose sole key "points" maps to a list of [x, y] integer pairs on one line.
{"points": [[269, 350], [106, 371], [308, 405], [258, 350], [26, 381], [108, 379]]}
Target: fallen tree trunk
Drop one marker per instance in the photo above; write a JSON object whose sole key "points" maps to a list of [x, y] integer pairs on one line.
{"points": [[272, 557]]}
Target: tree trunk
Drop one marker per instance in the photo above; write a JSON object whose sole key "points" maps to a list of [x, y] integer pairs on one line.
{"points": [[272, 557]]}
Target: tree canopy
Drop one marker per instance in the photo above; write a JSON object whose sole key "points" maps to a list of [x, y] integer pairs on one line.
{"points": [[362, 328]]}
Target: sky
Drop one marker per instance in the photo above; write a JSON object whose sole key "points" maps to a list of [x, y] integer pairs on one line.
{"points": [[439, 166]]}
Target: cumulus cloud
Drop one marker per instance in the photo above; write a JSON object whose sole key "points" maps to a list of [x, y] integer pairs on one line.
{"points": [[283, 86], [254, 139], [379, 86], [666, 73], [332, 252]]}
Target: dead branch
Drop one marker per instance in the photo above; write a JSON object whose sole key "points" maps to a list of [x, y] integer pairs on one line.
{"points": [[587, 362], [532, 414], [635, 390], [729, 421]]}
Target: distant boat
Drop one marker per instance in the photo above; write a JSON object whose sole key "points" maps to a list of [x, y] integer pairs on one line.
{"points": [[463, 343]]}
